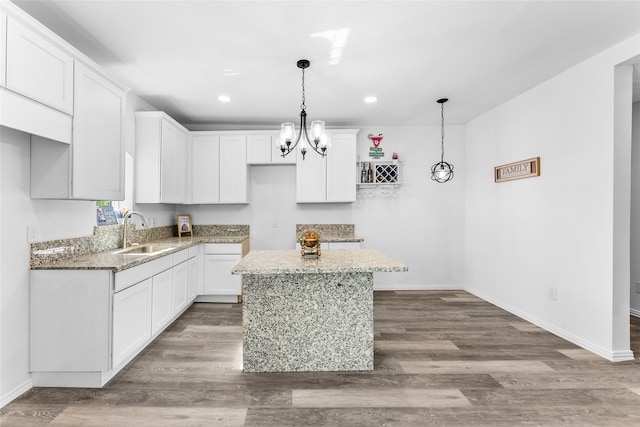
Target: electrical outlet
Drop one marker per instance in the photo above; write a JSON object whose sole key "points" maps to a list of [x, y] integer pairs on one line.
{"points": [[553, 294], [275, 223], [33, 233]]}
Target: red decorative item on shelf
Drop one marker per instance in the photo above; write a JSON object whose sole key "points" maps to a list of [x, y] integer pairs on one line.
{"points": [[376, 139]]}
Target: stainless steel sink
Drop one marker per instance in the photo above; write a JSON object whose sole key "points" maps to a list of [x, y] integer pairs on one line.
{"points": [[148, 249]]}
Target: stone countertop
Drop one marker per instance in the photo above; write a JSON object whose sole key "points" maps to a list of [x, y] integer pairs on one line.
{"points": [[332, 238], [331, 261], [107, 260]]}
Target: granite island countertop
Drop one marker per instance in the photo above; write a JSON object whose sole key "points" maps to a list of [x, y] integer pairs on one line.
{"points": [[108, 260], [331, 261]]}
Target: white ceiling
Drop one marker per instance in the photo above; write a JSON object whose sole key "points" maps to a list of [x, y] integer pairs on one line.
{"points": [[180, 55]]}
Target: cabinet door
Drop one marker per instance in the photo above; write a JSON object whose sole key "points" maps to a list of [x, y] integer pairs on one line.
{"points": [[311, 177], [98, 143], [37, 68], [233, 169], [205, 183], [3, 48], [218, 279], [173, 166], [180, 287], [195, 277], [131, 320], [258, 149], [341, 156], [162, 302]]}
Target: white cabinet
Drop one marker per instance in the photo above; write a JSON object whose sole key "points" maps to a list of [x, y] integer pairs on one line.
{"points": [[161, 159], [218, 168], [70, 321], [219, 284], [205, 168], [38, 77], [331, 178], [180, 287], [131, 320], [87, 324], [92, 166], [3, 48], [38, 69], [264, 149], [233, 169], [162, 310], [195, 272]]}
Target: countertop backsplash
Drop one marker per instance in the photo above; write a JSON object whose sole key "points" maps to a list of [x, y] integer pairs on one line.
{"points": [[110, 237], [328, 229]]}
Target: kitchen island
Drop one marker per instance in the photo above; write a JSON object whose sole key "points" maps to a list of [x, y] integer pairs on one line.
{"points": [[309, 314]]}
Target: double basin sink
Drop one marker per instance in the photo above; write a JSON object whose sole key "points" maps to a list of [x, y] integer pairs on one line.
{"points": [[146, 249]]}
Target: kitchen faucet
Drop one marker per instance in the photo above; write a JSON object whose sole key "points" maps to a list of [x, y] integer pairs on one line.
{"points": [[127, 216]]}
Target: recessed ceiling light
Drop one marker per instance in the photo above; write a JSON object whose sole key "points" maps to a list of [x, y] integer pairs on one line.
{"points": [[371, 99], [224, 98]]}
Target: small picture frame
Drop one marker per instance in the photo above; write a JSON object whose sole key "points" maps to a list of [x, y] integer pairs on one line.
{"points": [[184, 224]]}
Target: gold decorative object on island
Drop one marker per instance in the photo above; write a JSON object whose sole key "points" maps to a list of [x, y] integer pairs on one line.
{"points": [[310, 244]]}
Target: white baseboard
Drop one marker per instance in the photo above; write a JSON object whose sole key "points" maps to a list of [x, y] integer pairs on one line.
{"points": [[406, 287], [613, 356], [15, 393], [634, 312]]}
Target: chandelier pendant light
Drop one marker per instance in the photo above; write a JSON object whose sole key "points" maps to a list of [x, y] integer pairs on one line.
{"points": [[442, 171], [318, 140]]}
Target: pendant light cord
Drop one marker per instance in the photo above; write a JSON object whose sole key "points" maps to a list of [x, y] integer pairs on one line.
{"points": [[303, 107], [442, 133]]}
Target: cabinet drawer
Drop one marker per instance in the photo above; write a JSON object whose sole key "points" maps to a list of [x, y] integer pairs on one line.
{"points": [[223, 248], [131, 276], [180, 256]]}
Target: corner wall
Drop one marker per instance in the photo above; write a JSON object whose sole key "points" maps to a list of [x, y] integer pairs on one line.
{"points": [[635, 210], [528, 239]]}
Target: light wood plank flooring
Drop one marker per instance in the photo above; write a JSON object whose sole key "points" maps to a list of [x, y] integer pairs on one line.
{"points": [[442, 358]]}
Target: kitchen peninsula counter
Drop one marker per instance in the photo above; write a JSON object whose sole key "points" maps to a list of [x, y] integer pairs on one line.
{"points": [[309, 314]]}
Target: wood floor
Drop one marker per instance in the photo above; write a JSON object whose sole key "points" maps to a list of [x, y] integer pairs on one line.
{"points": [[442, 358]]}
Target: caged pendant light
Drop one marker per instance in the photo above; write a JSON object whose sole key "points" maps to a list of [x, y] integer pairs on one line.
{"points": [[442, 171], [288, 132]]}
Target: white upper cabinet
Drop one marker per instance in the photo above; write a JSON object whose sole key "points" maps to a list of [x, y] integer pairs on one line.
{"points": [[36, 78], [161, 159], [98, 137], [38, 69], [218, 168], [341, 180], [3, 48], [92, 166], [264, 149], [233, 169], [328, 179], [205, 168]]}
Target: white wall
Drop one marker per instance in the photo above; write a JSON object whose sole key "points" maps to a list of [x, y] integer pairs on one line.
{"points": [[635, 210], [421, 226], [555, 231]]}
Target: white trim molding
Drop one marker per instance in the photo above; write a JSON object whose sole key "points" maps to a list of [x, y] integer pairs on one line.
{"points": [[613, 356], [15, 393], [407, 287]]}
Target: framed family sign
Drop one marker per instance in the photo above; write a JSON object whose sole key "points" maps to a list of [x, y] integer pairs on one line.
{"points": [[517, 170], [184, 224]]}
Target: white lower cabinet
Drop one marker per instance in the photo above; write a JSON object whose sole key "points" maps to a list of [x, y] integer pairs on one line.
{"points": [[195, 272], [87, 324], [219, 285], [162, 301], [131, 320], [180, 287]]}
